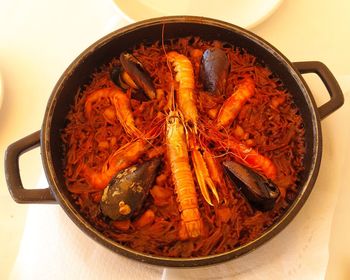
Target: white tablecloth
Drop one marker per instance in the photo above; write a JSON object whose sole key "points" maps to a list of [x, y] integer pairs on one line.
{"points": [[53, 247]]}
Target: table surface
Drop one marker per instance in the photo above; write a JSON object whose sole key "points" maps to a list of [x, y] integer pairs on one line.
{"points": [[38, 40]]}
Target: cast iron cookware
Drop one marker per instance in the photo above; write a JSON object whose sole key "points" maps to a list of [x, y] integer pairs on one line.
{"points": [[101, 52]]}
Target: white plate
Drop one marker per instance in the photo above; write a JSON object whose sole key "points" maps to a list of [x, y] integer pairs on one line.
{"points": [[244, 13]]}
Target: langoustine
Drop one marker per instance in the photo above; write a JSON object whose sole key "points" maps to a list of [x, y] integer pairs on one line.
{"points": [[185, 98], [192, 224]]}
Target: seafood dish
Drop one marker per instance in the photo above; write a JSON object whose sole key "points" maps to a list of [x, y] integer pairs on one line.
{"points": [[183, 148]]}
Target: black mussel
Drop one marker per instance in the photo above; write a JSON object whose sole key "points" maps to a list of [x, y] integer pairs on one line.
{"points": [[122, 79], [138, 74], [260, 192], [117, 77], [127, 191], [214, 70]]}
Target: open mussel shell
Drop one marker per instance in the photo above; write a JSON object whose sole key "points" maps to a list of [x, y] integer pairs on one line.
{"points": [[260, 192], [125, 194], [138, 74], [121, 79], [116, 76], [214, 70]]}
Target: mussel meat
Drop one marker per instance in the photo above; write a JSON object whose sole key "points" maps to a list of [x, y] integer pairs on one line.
{"points": [[259, 191], [214, 70], [127, 191], [116, 75], [138, 74], [123, 80]]}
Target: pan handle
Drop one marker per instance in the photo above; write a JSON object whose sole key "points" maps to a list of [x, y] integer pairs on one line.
{"points": [[334, 90], [12, 172]]}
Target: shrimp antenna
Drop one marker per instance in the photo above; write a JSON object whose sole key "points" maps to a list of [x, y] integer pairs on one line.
{"points": [[172, 87]]}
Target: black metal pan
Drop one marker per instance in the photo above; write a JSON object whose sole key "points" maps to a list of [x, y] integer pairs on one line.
{"points": [[101, 52]]}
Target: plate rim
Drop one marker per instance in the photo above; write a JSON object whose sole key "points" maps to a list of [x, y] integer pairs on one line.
{"points": [[123, 8]]}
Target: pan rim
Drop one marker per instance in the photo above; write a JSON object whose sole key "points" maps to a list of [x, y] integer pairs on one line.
{"points": [[277, 227]]}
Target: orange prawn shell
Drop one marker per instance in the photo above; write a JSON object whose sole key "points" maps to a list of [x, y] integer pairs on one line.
{"points": [[186, 97], [182, 176], [232, 105]]}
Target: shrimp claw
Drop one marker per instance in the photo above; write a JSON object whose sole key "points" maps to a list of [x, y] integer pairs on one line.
{"points": [[202, 173]]}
